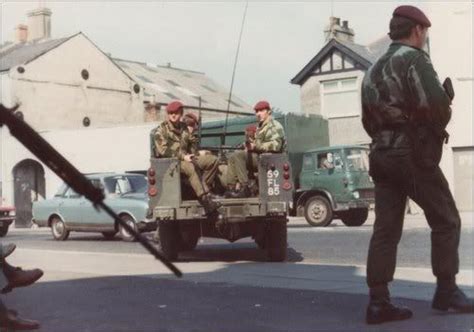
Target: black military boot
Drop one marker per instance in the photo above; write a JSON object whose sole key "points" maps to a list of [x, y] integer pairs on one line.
{"points": [[449, 296], [382, 310], [210, 206], [244, 192]]}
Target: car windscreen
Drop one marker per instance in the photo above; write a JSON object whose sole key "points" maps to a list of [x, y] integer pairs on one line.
{"points": [[61, 190], [125, 184], [358, 159]]}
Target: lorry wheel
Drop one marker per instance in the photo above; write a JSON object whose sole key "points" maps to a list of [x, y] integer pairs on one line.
{"points": [[168, 238], [318, 211], [4, 230], [276, 241], [124, 234], [356, 217], [188, 241], [58, 229]]}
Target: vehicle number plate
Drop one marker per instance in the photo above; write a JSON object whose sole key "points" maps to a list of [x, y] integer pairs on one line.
{"points": [[273, 183]]}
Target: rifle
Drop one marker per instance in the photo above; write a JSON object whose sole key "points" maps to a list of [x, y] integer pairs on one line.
{"points": [[71, 175]]}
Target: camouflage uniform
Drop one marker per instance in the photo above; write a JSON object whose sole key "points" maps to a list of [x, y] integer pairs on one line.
{"points": [[176, 142], [405, 111], [270, 137]]}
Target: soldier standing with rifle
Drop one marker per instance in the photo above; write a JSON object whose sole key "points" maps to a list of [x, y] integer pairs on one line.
{"points": [[405, 110], [174, 140]]}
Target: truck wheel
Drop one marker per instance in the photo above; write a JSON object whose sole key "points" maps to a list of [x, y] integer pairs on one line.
{"points": [[188, 241], [58, 229], [124, 234], [318, 211], [168, 238], [276, 241], [4, 230], [356, 217]]}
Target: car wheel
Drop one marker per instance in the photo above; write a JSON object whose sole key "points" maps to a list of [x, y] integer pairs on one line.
{"points": [[109, 235], [58, 229], [4, 229], [276, 240], [318, 211], [354, 218], [124, 234]]}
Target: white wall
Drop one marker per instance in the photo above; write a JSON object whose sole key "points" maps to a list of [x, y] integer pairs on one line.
{"points": [[90, 150], [53, 94]]}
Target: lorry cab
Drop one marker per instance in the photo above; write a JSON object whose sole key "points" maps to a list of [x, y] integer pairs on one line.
{"points": [[334, 182]]}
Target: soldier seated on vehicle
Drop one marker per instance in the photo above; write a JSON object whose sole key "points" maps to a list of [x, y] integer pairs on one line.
{"points": [[269, 138], [175, 139]]}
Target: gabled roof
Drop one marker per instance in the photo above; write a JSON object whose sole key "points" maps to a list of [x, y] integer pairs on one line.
{"points": [[364, 56], [168, 83], [22, 53]]}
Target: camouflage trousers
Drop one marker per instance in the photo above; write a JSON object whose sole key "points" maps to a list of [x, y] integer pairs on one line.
{"points": [[397, 177], [240, 163], [203, 168]]}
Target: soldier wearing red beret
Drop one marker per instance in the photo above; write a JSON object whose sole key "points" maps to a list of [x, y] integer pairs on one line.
{"points": [[405, 111]]}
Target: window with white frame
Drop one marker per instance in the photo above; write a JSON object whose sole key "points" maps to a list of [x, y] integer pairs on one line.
{"points": [[340, 98]]}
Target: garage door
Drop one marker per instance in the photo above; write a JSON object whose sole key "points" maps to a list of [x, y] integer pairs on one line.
{"points": [[463, 177]]}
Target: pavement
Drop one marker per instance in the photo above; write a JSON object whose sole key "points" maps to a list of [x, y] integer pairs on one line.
{"points": [[97, 291]]}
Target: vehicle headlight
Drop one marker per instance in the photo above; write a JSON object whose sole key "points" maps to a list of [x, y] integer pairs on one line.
{"points": [[356, 194]]}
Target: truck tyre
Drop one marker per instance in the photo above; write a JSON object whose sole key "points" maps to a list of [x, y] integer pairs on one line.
{"points": [[4, 229], [124, 234], [168, 239], [58, 229], [355, 217], [189, 241], [318, 211], [276, 241]]}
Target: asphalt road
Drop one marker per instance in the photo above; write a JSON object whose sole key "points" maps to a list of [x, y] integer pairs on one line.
{"points": [[335, 244], [94, 285]]}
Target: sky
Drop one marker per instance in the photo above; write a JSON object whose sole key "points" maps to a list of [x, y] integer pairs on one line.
{"points": [[279, 38]]}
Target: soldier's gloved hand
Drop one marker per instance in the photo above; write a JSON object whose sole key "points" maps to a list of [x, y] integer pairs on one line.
{"points": [[189, 157]]}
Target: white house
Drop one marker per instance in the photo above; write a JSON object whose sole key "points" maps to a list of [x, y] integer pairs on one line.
{"points": [[98, 111]]}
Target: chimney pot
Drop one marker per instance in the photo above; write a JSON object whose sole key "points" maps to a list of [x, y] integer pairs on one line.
{"points": [[21, 33], [39, 23]]}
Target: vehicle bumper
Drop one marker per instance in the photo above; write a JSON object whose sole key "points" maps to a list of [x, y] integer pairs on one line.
{"points": [[7, 220], [147, 225], [355, 204]]}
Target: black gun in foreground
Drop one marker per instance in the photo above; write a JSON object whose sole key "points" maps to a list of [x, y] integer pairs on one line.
{"points": [[71, 175]]}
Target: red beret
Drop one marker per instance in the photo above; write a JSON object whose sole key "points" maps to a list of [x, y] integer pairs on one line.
{"points": [[262, 105], [251, 129], [174, 106], [413, 13], [191, 119]]}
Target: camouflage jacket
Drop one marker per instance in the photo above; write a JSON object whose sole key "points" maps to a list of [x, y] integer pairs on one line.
{"points": [[171, 141], [403, 88], [270, 137]]}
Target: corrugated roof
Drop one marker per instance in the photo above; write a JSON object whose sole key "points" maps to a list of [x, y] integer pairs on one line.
{"points": [[169, 83], [21, 53]]}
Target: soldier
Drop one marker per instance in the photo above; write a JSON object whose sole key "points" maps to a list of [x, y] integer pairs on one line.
{"points": [[173, 139], [269, 137], [405, 112]]}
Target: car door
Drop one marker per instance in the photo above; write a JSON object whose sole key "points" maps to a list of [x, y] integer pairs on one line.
{"points": [[92, 218], [70, 208]]}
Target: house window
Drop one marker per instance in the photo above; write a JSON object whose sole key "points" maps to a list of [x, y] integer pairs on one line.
{"points": [[340, 98]]}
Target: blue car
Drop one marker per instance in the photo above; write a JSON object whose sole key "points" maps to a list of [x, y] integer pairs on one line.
{"points": [[69, 212]]}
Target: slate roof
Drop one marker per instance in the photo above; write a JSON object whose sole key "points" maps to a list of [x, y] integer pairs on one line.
{"points": [[16, 54], [168, 83], [364, 55]]}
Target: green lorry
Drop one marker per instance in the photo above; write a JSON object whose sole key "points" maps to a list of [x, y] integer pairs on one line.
{"points": [[324, 189]]}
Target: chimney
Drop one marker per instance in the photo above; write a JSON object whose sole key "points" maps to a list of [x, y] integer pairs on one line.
{"points": [[335, 30], [39, 23], [21, 33]]}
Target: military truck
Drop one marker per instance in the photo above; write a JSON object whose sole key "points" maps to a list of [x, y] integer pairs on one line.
{"points": [[182, 220], [322, 194]]}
